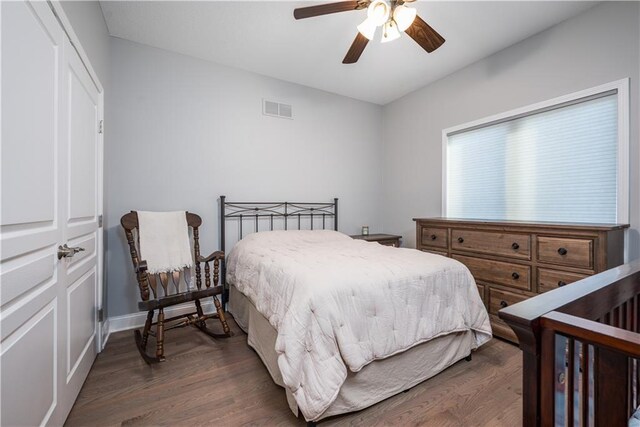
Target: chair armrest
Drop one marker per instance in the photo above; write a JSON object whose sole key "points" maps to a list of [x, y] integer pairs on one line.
{"points": [[216, 255]]}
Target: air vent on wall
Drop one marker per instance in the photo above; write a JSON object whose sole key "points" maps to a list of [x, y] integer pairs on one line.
{"points": [[276, 109]]}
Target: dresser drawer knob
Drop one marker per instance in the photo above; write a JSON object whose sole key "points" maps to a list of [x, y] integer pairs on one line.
{"points": [[515, 246], [515, 275], [434, 237], [460, 240], [503, 304], [562, 283], [562, 251]]}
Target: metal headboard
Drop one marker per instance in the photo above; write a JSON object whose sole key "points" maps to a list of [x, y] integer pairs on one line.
{"points": [[266, 212]]}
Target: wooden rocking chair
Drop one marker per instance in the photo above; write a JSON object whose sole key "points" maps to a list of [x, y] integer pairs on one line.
{"points": [[172, 294]]}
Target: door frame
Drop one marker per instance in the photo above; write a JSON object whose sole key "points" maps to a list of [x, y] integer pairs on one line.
{"points": [[58, 11]]}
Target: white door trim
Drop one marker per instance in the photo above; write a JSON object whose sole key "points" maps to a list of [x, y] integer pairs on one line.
{"points": [[75, 41]]}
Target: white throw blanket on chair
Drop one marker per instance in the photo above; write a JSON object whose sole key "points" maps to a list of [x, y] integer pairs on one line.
{"points": [[164, 241]]}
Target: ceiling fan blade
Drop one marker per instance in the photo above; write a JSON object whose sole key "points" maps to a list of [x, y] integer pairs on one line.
{"points": [[424, 35], [325, 9], [356, 49]]}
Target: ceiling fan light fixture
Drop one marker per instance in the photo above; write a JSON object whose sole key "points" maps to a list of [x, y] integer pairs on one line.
{"points": [[390, 32], [379, 11], [368, 28], [404, 16], [392, 15]]}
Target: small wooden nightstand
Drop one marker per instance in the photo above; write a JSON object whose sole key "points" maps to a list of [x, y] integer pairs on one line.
{"points": [[383, 239]]}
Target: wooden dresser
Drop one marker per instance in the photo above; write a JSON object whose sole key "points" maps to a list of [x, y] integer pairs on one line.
{"points": [[512, 261]]}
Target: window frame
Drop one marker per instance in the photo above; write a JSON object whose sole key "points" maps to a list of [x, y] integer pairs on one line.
{"points": [[622, 92]]}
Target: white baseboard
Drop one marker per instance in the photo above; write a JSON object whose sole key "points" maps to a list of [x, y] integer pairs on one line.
{"points": [[105, 332], [136, 320]]}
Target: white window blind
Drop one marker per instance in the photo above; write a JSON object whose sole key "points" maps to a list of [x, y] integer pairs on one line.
{"points": [[559, 165]]}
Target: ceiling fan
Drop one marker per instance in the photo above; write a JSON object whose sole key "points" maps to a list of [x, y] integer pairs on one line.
{"points": [[392, 15]]}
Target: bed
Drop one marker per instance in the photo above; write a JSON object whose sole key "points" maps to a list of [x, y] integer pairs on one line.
{"points": [[342, 324]]}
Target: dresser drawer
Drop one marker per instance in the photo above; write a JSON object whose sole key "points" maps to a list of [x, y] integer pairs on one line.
{"points": [[566, 251], [498, 272], [434, 252], [434, 236], [499, 299], [390, 242], [552, 279], [495, 243], [501, 329], [482, 291]]}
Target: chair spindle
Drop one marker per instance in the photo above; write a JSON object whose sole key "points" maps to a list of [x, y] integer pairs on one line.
{"points": [[207, 275]]}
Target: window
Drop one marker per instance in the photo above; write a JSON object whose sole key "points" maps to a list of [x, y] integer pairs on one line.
{"points": [[564, 160]]}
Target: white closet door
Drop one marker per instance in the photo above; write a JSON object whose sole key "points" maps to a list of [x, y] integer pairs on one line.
{"points": [[78, 297], [50, 113], [31, 223]]}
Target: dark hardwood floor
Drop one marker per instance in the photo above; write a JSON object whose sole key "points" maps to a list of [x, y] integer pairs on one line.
{"points": [[224, 383]]}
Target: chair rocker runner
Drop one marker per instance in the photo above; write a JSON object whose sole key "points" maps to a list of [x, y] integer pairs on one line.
{"points": [[169, 293]]}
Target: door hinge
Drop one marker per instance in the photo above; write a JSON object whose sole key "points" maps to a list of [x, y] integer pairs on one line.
{"points": [[100, 126], [101, 315], [99, 221]]}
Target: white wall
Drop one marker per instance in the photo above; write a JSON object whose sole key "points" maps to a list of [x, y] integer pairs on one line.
{"points": [[182, 131], [599, 46]]}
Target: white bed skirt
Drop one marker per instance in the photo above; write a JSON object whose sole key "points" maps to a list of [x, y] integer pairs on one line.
{"points": [[373, 383]]}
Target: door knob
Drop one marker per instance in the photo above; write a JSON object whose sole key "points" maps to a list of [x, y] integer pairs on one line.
{"points": [[65, 251]]}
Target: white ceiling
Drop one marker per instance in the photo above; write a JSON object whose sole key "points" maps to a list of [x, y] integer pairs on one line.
{"points": [[263, 37]]}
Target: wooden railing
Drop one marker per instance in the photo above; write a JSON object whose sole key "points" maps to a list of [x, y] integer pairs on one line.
{"points": [[581, 350]]}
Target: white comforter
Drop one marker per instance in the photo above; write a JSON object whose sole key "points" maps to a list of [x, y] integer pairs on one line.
{"points": [[339, 303]]}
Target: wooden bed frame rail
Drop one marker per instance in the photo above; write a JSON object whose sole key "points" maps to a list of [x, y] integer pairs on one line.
{"points": [[581, 350]]}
